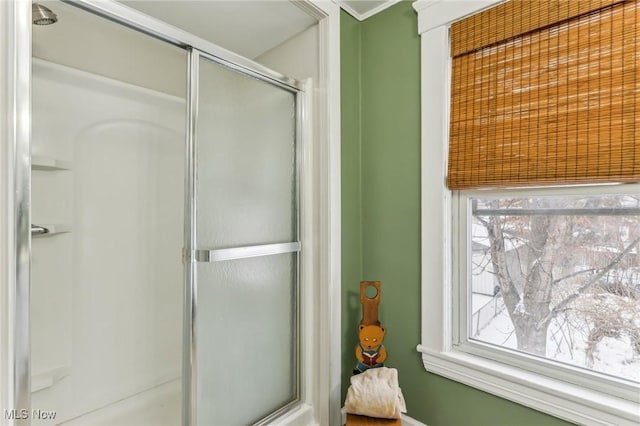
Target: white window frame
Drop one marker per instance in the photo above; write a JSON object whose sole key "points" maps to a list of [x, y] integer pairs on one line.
{"points": [[461, 283], [550, 394]]}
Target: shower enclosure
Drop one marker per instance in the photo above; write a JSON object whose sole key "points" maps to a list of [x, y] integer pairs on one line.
{"points": [[173, 256]]}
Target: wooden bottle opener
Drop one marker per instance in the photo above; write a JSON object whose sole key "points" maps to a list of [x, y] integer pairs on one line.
{"points": [[370, 305]]}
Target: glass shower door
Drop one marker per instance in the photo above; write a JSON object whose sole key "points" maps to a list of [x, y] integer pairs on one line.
{"points": [[246, 248]]}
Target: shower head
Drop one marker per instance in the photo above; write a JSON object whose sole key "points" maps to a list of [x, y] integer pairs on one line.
{"points": [[42, 15]]}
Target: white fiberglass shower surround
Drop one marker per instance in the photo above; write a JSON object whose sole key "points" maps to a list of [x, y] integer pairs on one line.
{"points": [[170, 239]]}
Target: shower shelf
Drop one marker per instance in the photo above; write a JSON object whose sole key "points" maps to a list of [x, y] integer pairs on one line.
{"points": [[52, 230], [48, 378], [49, 164]]}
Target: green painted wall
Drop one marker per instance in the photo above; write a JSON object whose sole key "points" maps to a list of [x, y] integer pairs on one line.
{"points": [[381, 216]]}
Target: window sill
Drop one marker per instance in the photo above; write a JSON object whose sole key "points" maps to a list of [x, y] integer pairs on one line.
{"points": [[555, 397]]}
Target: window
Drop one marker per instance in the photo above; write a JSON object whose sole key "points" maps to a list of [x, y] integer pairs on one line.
{"points": [[559, 139], [555, 278]]}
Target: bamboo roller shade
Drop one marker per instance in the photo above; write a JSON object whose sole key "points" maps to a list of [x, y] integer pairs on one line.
{"points": [[551, 105]]}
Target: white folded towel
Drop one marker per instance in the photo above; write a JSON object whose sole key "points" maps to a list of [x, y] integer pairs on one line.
{"points": [[375, 393]]}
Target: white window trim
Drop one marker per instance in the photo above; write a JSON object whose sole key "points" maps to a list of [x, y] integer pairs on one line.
{"points": [[550, 395]]}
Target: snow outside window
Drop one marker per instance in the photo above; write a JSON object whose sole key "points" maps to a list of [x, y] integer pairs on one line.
{"points": [[555, 278]]}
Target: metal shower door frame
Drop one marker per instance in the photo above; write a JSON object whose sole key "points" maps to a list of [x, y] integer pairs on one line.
{"points": [[15, 268], [17, 338], [193, 254]]}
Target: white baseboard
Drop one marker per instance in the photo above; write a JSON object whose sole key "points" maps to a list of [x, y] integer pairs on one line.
{"points": [[410, 421], [406, 420]]}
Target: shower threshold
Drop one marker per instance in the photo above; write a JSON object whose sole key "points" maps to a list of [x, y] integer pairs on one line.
{"points": [[159, 406]]}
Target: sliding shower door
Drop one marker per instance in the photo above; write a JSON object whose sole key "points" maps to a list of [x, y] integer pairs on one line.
{"points": [[244, 245]]}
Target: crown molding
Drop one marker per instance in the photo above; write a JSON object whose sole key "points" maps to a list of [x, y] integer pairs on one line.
{"points": [[436, 13], [371, 12]]}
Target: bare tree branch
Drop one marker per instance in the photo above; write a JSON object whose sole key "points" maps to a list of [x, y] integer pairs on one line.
{"points": [[482, 221], [562, 304], [508, 337], [575, 274]]}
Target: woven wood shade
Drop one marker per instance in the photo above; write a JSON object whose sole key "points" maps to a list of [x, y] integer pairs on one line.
{"points": [[557, 104], [486, 28]]}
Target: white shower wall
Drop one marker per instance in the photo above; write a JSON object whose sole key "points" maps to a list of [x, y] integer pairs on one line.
{"points": [[106, 296], [296, 57]]}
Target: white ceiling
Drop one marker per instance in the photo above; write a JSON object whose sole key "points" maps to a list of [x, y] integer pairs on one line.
{"points": [[247, 27], [362, 9], [88, 42]]}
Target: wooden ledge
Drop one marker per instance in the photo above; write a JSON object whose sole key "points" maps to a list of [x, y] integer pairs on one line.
{"points": [[356, 420]]}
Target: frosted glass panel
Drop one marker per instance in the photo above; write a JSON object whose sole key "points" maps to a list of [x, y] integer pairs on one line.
{"points": [[246, 160], [246, 313], [246, 362]]}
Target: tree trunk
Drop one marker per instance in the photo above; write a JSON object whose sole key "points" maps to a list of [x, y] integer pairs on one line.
{"points": [[531, 338], [529, 308]]}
